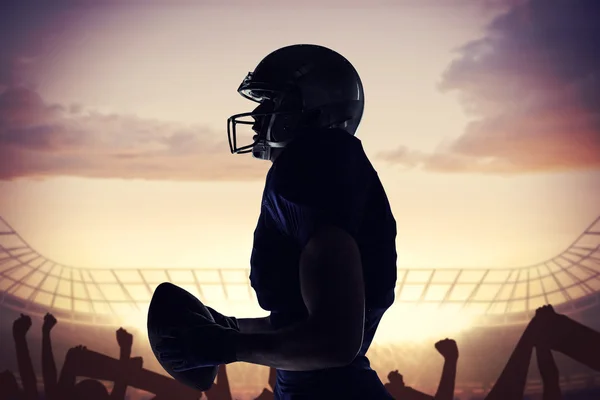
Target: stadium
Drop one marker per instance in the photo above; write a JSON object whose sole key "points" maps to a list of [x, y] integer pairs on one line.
{"points": [[484, 310]]}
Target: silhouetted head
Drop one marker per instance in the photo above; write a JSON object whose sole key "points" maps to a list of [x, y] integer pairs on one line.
{"points": [[90, 389], [299, 88], [395, 378], [9, 386]]}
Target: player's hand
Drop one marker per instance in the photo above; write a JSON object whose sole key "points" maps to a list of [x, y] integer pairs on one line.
{"points": [[227, 322], [448, 349], [49, 322], [202, 343], [21, 326]]}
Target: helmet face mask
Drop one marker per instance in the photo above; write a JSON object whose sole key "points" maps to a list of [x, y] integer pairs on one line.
{"points": [[297, 87], [272, 125]]}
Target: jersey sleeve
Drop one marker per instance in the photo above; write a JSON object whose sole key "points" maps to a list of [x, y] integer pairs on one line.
{"points": [[326, 185]]}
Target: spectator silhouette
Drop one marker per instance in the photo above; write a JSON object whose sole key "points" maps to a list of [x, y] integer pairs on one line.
{"points": [[267, 394], [449, 350], [547, 331], [66, 388], [9, 388], [20, 328], [396, 384], [90, 389], [48, 365]]}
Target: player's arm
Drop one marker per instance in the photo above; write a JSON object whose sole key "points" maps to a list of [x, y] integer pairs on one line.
{"points": [[323, 205], [333, 291]]}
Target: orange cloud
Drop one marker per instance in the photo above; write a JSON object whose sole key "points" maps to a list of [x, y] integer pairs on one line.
{"points": [[39, 140]]}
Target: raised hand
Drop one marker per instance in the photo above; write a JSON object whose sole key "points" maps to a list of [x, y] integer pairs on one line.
{"points": [[136, 362], [396, 378], [73, 356], [448, 349], [546, 329], [21, 326], [49, 322], [124, 338]]}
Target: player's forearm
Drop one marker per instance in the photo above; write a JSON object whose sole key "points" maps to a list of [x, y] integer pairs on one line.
{"points": [[447, 381], [302, 347], [255, 325]]}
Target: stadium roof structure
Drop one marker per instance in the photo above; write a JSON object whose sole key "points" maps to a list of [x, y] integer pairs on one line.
{"points": [[32, 283]]}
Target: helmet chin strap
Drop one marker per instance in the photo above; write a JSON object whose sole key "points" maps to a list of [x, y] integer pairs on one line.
{"points": [[262, 149], [261, 152]]}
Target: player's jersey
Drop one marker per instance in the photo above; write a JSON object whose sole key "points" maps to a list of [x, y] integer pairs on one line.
{"points": [[323, 178]]}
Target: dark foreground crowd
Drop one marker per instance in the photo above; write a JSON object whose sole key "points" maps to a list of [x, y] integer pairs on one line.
{"points": [[547, 331]]}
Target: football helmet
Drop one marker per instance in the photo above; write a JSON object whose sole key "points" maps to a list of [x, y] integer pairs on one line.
{"points": [[298, 87]]}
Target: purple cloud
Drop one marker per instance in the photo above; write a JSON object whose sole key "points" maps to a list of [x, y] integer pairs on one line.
{"points": [[533, 85]]}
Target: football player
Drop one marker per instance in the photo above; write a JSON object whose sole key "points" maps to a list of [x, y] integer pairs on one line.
{"points": [[324, 258]]}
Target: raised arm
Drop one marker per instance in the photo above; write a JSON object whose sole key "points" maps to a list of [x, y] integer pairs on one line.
{"points": [[560, 333], [20, 328], [125, 341], [448, 349], [513, 379], [48, 365], [68, 374], [549, 373]]}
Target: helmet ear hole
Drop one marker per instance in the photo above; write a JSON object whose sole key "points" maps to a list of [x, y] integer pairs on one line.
{"points": [[281, 127]]}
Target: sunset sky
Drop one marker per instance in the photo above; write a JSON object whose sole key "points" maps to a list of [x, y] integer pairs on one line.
{"points": [[481, 118]]}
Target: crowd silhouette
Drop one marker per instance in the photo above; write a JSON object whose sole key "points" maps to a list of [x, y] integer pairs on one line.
{"points": [[96, 367], [547, 331]]}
